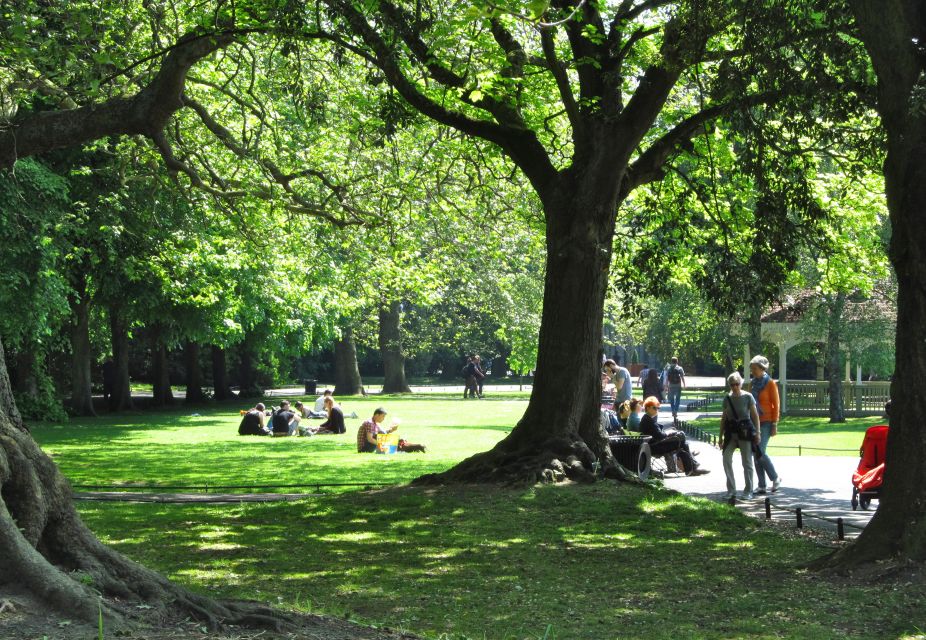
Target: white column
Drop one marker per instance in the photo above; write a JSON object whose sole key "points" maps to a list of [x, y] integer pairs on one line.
{"points": [[858, 374], [848, 370], [783, 347]]}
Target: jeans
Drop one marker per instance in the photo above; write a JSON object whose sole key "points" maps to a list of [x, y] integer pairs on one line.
{"points": [[764, 464], [675, 397], [745, 447]]}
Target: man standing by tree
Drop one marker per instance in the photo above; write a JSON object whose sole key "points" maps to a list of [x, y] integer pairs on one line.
{"points": [[675, 380]]}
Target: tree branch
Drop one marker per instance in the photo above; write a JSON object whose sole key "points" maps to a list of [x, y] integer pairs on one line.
{"points": [[145, 113], [562, 81]]}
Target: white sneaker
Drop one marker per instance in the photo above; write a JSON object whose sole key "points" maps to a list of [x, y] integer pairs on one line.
{"points": [[747, 496], [731, 495], [776, 483]]}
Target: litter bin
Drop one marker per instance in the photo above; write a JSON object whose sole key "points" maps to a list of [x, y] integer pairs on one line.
{"points": [[311, 386]]}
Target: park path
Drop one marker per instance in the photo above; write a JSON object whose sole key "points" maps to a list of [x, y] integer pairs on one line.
{"points": [[820, 485]]}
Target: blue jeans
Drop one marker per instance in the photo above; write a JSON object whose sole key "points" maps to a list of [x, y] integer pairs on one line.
{"points": [[764, 464], [675, 397]]}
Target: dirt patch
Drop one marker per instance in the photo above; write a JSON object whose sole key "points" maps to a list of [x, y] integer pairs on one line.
{"points": [[23, 617]]}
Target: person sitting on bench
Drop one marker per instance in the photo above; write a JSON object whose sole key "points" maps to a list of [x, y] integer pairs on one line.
{"points": [[252, 423], [667, 441], [284, 422]]}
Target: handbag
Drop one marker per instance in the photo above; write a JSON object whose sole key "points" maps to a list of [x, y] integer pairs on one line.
{"points": [[741, 427]]}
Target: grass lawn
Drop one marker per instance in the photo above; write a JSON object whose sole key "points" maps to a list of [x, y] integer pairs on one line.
{"points": [[569, 561], [202, 445]]}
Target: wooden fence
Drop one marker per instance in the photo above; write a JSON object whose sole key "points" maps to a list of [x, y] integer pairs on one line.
{"points": [[812, 398]]}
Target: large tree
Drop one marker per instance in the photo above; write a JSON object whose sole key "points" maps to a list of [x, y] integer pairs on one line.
{"points": [[894, 32]]}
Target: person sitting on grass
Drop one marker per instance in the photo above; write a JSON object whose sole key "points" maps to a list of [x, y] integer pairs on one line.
{"points": [[319, 410], [366, 434], [667, 441], [335, 421], [252, 422], [284, 422]]}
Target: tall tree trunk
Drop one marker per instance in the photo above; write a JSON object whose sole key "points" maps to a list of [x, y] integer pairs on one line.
{"points": [[347, 380], [893, 32], [390, 346], [500, 362], [160, 372], [835, 308], [27, 382], [560, 434], [121, 398], [221, 390], [248, 370], [47, 549], [194, 373], [81, 392]]}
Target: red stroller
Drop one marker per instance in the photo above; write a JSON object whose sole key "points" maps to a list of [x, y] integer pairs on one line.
{"points": [[867, 479]]}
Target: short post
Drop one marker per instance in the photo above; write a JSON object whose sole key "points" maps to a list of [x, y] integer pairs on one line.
{"points": [[768, 508], [840, 532], [800, 518], [799, 451]]}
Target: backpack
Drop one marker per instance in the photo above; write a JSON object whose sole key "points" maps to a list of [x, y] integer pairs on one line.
{"points": [[675, 375], [468, 370]]}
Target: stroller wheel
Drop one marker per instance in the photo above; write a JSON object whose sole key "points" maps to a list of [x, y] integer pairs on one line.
{"points": [[864, 502], [854, 499]]}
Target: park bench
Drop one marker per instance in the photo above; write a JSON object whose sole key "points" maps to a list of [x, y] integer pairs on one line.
{"points": [[633, 453]]}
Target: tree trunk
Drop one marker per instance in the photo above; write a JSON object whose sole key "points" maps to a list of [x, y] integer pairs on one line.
{"points": [[247, 371], [500, 362], [47, 549], [81, 392], [347, 380], [27, 382], [194, 373], [221, 390], [121, 398], [560, 434], [160, 373], [893, 31], [834, 325], [390, 346]]}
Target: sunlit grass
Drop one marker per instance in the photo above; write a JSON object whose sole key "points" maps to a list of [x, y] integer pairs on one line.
{"points": [[600, 561]]}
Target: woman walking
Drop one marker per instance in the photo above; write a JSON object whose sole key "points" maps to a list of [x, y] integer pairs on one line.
{"points": [[765, 392], [738, 430]]}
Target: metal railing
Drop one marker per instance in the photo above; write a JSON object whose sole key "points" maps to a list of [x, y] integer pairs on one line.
{"points": [[812, 397]]}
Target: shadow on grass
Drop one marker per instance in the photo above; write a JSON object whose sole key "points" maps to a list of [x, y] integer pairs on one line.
{"points": [[592, 561]]}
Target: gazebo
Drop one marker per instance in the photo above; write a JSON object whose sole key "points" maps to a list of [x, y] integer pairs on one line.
{"points": [[781, 325]]}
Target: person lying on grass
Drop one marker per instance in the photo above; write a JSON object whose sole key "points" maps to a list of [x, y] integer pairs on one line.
{"points": [[366, 434]]}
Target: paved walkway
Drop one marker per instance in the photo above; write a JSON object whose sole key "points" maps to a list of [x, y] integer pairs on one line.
{"points": [[820, 485]]}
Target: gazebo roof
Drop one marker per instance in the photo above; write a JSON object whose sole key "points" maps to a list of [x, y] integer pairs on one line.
{"points": [[794, 306]]}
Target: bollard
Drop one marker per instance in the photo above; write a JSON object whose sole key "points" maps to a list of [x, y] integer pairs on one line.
{"points": [[800, 518], [840, 532], [768, 508], [798, 451]]}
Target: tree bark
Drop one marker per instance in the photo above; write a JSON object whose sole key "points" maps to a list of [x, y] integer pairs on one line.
{"points": [[347, 381], [121, 398], [27, 383], [194, 373], [221, 390], [390, 346], [160, 372], [81, 391], [835, 309], [247, 371], [893, 32]]}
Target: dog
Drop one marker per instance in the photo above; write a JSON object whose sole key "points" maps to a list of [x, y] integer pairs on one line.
{"points": [[408, 447]]}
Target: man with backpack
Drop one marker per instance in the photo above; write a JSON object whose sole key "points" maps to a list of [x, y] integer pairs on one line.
{"points": [[675, 381]]}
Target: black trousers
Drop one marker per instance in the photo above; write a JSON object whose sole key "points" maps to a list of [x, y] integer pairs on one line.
{"points": [[675, 443]]}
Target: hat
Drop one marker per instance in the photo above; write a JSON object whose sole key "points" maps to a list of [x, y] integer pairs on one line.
{"points": [[761, 361]]}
